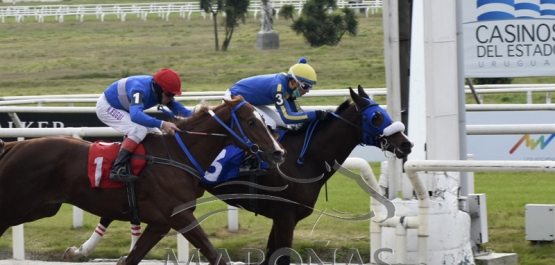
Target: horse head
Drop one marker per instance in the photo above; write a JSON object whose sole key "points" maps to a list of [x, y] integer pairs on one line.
{"points": [[247, 128], [378, 128], [254, 130]]}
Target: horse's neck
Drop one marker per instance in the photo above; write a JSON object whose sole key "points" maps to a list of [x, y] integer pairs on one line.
{"points": [[337, 139], [331, 142], [204, 149]]}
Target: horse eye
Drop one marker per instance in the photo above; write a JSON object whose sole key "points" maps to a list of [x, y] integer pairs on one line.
{"points": [[250, 123], [377, 119]]}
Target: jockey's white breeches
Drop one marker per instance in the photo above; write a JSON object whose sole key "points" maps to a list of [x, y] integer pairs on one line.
{"points": [[120, 120]]}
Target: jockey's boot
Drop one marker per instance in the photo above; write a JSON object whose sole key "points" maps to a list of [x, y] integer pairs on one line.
{"points": [[119, 169]]}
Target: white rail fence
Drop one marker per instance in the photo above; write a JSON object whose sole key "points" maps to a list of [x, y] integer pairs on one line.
{"points": [[144, 10], [421, 220], [18, 233], [481, 90]]}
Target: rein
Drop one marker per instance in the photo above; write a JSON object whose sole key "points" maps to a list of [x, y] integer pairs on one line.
{"points": [[170, 162], [312, 126], [243, 139]]}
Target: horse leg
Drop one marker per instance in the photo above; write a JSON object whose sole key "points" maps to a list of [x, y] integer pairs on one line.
{"points": [[150, 237], [88, 247], [135, 233], [281, 236], [196, 236], [47, 210]]}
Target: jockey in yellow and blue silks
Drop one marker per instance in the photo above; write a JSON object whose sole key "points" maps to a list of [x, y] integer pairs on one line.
{"points": [[282, 90]]}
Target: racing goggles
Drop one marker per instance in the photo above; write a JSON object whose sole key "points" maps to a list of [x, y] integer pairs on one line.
{"points": [[303, 85]]}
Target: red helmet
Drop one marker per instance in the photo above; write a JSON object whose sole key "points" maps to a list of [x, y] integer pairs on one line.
{"points": [[169, 80]]}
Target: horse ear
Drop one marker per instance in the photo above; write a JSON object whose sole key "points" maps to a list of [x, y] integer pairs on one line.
{"points": [[359, 101], [234, 101], [362, 93]]}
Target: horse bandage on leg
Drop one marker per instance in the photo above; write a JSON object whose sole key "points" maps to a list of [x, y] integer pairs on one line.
{"points": [[89, 246], [135, 234]]}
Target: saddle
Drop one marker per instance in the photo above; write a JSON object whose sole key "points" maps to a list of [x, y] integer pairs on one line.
{"points": [[102, 155]]}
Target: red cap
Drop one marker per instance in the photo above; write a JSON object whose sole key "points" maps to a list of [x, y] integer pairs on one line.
{"points": [[169, 80]]}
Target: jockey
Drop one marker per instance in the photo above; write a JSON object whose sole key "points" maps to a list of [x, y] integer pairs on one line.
{"points": [[281, 89], [122, 107]]}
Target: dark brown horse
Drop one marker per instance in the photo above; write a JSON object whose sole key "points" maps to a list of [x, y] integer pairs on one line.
{"points": [[38, 175], [312, 158]]}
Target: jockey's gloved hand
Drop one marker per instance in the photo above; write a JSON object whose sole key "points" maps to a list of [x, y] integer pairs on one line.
{"points": [[321, 114]]}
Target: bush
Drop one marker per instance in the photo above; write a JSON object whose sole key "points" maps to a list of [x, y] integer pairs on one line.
{"points": [[491, 81]]}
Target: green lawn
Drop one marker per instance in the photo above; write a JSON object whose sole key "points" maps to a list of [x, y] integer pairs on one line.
{"points": [[85, 57]]}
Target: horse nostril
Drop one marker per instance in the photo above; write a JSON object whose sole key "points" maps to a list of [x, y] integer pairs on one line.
{"points": [[278, 155]]}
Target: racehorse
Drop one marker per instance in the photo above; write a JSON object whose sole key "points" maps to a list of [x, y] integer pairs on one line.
{"points": [[313, 153], [38, 175]]}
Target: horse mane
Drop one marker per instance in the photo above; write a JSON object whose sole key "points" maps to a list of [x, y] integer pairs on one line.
{"points": [[202, 110], [304, 126], [192, 120], [343, 106]]}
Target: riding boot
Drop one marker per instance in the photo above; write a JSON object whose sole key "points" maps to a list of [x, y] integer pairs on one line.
{"points": [[119, 169]]}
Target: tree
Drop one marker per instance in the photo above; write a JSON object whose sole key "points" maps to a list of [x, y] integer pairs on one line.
{"points": [[213, 7], [491, 81], [235, 10], [320, 28]]}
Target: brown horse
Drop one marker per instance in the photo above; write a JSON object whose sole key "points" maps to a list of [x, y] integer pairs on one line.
{"points": [[312, 158], [38, 175]]}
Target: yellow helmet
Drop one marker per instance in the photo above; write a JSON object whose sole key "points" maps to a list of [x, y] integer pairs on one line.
{"points": [[302, 72]]}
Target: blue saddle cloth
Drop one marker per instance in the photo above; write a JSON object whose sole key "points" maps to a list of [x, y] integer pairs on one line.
{"points": [[226, 165]]}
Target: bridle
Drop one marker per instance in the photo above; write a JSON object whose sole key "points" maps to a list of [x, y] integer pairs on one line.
{"points": [[199, 172], [370, 134]]}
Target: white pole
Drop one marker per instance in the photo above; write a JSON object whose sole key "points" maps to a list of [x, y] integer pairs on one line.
{"points": [[182, 249], [18, 241], [417, 98], [77, 217], [232, 218], [393, 80]]}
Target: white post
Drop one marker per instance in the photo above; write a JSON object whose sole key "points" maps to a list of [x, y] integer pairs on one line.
{"points": [[77, 212], [528, 97], [182, 249], [77, 217], [232, 218], [18, 242], [393, 81]]}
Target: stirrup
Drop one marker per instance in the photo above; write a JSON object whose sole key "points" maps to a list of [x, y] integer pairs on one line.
{"points": [[120, 176]]}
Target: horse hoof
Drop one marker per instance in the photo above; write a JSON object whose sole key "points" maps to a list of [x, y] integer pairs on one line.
{"points": [[68, 254], [121, 261]]}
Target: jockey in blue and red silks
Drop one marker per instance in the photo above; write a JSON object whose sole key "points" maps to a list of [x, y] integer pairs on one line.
{"points": [[122, 107]]}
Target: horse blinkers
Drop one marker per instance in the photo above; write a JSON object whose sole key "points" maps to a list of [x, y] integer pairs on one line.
{"points": [[374, 121]]}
